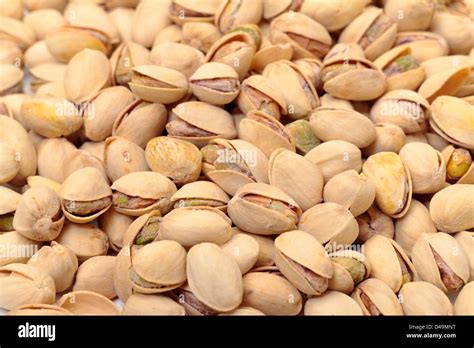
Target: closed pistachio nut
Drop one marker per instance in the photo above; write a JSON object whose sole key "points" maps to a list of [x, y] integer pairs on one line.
{"points": [[177, 56], [463, 304], [148, 19], [200, 35], [417, 14], [388, 138], [376, 298], [455, 29], [232, 13], [12, 241], [114, 225], [44, 21], [141, 304], [423, 298], [49, 167], [16, 31], [424, 45], [95, 274], [332, 303], [243, 249], [266, 249]]}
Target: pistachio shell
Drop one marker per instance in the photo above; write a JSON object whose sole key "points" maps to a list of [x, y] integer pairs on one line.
{"points": [[79, 159], [12, 8], [122, 283], [349, 268], [463, 304], [243, 249], [200, 191], [465, 239], [388, 138], [10, 164], [11, 79], [240, 311], [15, 248], [455, 29], [38, 54], [266, 250], [125, 57], [39, 309], [9, 200], [95, 274], [184, 11], [87, 303], [149, 18], [177, 56], [10, 53], [49, 166], [374, 222], [16, 31], [424, 44], [121, 157], [269, 54], [231, 14], [114, 225], [200, 35], [447, 82], [376, 298], [37, 181], [438, 142], [122, 18], [140, 304], [417, 14], [44, 21], [332, 303], [423, 298]]}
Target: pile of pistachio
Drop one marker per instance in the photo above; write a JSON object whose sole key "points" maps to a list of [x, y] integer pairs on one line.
{"points": [[237, 157]]}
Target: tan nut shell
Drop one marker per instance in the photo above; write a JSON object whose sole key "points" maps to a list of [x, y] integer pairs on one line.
{"points": [[466, 241], [9, 200], [342, 280], [39, 309], [242, 12], [423, 298], [201, 190], [141, 304], [121, 157], [266, 250], [269, 54], [463, 304], [37, 181], [129, 54], [177, 56], [10, 164], [96, 275], [80, 159], [122, 283], [16, 31], [148, 19], [11, 78], [448, 153], [332, 303], [243, 249], [207, 9], [11, 242], [87, 303], [426, 44], [52, 167], [380, 295], [447, 82]]}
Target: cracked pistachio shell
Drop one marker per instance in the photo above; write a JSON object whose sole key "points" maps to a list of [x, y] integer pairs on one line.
{"points": [[126, 56], [38, 181], [340, 124], [269, 53], [200, 193], [426, 166], [64, 43], [215, 83], [303, 136], [15, 30], [330, 223], [297, 90], [219, 287], [417, 14], [464, 304], [438, 143], [466, 240], [376, 298], [23, 284], [145, 185], [121, 157], [266, 250], [366, 31], [440, 260], [199, 123], [263, 209], [51, 117], [453, 119], [303, 261], [44, 21], [265, 132], [103, 110], [388, 138], [392, 180], [86, 74], [436, 65], [374, 222], [307, 190], [140, 121], [38, 215], [87, 303], [51, 167], [177, 56], [308, 38], [86, 185], [332, 303], [84, 240], [59, 262], [349, 268], [416, 221], [334, 157], [272, 9], [423, 298], [39, 309], [456, 29], [96, 275], [158, 267], [207, 225], [11, 242], [200, 35], [451, 208], [142, 230], [311, 67], [229, 154], [177, 159], [388, 262], [231, 14], [148, 19], [79, 159], [141, 304], [342, 76], [158, 84], [404, 108], [12, 77], [184, 11], [424, 45], [269, 292], [445, 83], [352, 190], [243, 249]]}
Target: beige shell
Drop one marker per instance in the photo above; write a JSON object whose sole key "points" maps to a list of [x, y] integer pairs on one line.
{"points": [[96, 275], [306, 190], [423, 298], [344, 50], [334, 157], [37, 181], [44, 21], [332, 303], [59, 262], [38, 214], [266, 250], [352, 190], [177, 56], [383, 299], [219, 287], [148, 19], [451, 208], [37, 54], [231, 14], [207, 225], [8, 201], [84, 240], [199, 35], [453, 273], [455, 29], [16, 31], [12, 8], [243, 310], [243, 249], [141, 304], [52, 167], [10, 164], [263, 217], [121, 157], [424, 45], [10, 53], [438, 142], [22, 284], [12, 242], [393, 186], [126, 56], [463, 304], [459, 166], [122, 283], [350, 267], [388, 138], [446, 82], [417, 14], [198, 191], [39, 309], [11, 81], [465, 239], [145, 185], [79, 159], [136, 232], [177, 159], [202, 12], [330, 223], [374, 222], [297, 251], [87, 303], [269, 54], [416, 221]]}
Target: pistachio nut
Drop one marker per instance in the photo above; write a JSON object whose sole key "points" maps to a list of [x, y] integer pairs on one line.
{"points": [[451, 208], [266, 250], [38, 181], [8, 203], [15, 248], [96, 275], [200, 35], [312, 68], [51, 167], [349, 268], [10, 53], [122, 283], [200, 194], [37, 54], [10, 163], [343, 50], [465, 239], [424, 45], [307, 190], [87, 303], [125, 57], [330, 223], [423, 298], [268, 291], [234, 163], [455, 28], [199, 122], [141, 304], [463, 304], [438, 143], [16, 31], [39, 309], [417, 14], [12, 77], [334, 157], [142, 230], [303, 136], [85, 195], [332, 303], [114, 225], [122, 18], [376, 298], [80, 159], [33, 5], [46, 73], [263, 209], [23, 284], [148, 19], [121, 157], [440, 260], [373, 30], [59, 262], [243, 249], [192, 305], [388, 138], [12, 8], [184, 11], [231, 13], [392, 180], [84, 240], [374, 222], [172, 33], [243, 310], [177, 56], [177, 159], [138, 193], [447, 83], [215, 83], [44, 21], [269, 53], [206, 223]]}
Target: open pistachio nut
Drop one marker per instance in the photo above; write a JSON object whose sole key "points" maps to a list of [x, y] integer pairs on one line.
{"points": [[376, 298], [350, 267], [200, 193]]}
